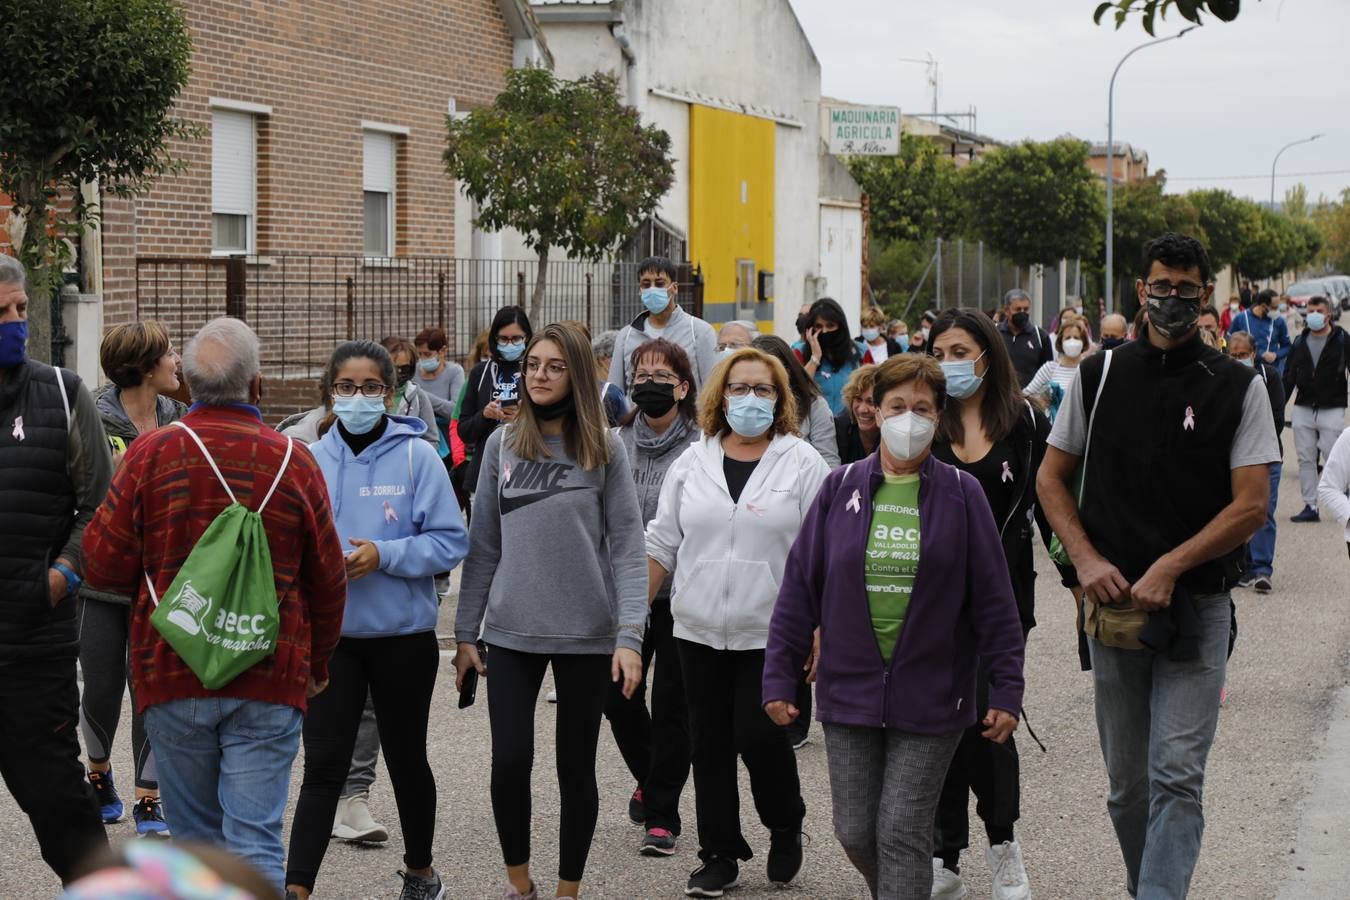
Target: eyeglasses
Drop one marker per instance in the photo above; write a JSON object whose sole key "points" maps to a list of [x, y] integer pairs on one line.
{"points": [[551, 371], [762, 391], [722, 347], [1186, 290], [371, 389], [658, 377], [513, 340]]}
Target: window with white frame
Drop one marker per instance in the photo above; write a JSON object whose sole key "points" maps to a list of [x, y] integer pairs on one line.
{"points": [[378, 162], [234, 176]]}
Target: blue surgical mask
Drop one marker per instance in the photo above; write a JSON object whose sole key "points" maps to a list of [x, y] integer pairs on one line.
{"points": [[962, 381], [13, 344], [749, 416], [510, 352], [903, 341], [656, 299], [358, 414], [429, 365], [1317, 321], [1249, 362], [871, 334]]}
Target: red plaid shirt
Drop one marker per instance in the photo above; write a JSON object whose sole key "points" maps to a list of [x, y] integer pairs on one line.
{"points": [[164, 497]]}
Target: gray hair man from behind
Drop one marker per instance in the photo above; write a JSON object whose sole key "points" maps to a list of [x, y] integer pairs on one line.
{"points": [[222, 363]]}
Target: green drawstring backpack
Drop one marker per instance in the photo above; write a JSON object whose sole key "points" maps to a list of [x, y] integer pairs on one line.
{"points": [[220, 613]]}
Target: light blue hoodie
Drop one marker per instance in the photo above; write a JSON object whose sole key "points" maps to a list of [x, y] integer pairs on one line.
{"points": [[397, 495]]}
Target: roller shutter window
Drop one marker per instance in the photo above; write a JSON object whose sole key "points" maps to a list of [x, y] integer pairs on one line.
{"points": [[234, 173]]}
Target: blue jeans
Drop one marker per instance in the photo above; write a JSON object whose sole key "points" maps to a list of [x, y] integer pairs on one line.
{"points": [[1262, 546], [225, 772], [1156, 719]]}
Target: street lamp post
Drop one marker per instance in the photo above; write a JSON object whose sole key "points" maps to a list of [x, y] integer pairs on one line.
{"points": [[1110, 167], [1306, 140]]}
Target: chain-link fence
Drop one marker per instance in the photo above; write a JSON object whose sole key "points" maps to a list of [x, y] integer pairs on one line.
{"points": [[963, 273]]}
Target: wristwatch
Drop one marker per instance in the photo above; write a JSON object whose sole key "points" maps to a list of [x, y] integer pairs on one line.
{"points": [[73, 581]]}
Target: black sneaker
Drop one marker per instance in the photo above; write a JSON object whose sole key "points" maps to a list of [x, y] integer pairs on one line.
{"points": [[149, 816], [415, 887], [717, 875], [637, 808], [1247, 581], [785, 855], [658, 842], [1309, 514], [109, 804], [1263, 585]]}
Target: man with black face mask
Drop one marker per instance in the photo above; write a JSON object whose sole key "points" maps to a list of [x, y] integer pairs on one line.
{"points": [[1028, 344], [1157, 542]]}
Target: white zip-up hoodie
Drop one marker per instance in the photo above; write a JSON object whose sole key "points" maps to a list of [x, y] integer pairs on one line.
{"points": [[728, 557]]}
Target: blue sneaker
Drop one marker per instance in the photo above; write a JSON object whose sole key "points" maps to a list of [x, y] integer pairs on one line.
{"points": [[149, 816], [109, 804]]}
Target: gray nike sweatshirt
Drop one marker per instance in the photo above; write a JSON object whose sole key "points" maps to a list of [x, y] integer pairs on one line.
{"points": [[557, 555]]}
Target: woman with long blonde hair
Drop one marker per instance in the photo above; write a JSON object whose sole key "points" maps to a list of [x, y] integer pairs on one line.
{"points": [[556, 577]]}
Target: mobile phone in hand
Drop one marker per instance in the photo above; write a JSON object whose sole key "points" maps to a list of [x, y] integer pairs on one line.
{"points": [[468, 691]]}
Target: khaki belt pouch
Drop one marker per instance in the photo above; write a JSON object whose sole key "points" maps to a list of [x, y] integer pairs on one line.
{"points": [[1112, 626]]}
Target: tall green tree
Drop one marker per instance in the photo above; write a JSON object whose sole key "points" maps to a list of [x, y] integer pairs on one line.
{"points": [[912, 196], [1230, 224], [563, 162], [1332, 218], [1150, 11], [1035, 202], [88, 94], [1295, 204], [1277, 246]]}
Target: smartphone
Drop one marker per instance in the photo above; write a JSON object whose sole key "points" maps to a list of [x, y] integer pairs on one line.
{"points": [[468, 691]]}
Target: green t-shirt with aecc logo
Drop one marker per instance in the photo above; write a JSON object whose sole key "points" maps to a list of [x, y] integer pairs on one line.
{"points": [[892, 558]]}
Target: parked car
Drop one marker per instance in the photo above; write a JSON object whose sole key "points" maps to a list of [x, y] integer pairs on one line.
{"points": [[1300, 292], [1340, 284]]}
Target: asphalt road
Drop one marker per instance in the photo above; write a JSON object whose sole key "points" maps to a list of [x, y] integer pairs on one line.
{"points": [[1290, 664]]}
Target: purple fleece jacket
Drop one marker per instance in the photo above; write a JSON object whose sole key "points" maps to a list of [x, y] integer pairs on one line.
{"points": [[962, 608]]}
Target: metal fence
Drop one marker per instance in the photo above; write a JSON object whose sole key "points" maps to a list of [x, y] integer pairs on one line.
{"points": [[966, 273], [303, 306]]}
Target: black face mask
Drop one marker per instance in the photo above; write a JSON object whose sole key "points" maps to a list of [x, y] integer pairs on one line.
{"points": [[803, 323], [405, 374], [550, 411], [1173, 316], [1019, 320], [833, 341], [654, 398], [1112, 343]]}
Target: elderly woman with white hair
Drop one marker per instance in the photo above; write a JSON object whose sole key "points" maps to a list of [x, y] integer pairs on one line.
{"points": [[612, 396]]}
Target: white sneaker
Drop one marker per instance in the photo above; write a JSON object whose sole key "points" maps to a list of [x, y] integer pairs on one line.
{"points": [[356, 823], [339, 815], [946, 883], [1008, 872]]}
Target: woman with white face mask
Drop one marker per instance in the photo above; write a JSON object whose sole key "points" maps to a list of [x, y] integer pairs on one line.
{"points": [[730, 508], [1071, 342], [898, 564]]}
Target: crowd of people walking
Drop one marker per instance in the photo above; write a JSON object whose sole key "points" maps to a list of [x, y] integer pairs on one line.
{"points": [[703, 535]]}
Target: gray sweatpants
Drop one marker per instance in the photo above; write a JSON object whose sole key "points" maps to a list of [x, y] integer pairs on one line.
{"points": [[365, 754], [884, 786], [1315, 430]]}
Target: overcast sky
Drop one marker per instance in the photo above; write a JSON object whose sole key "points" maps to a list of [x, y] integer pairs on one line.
{"points": [[1220, 101]]}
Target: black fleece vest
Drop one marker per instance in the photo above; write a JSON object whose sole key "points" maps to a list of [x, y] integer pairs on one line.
{"points": [[1157, 468], [37, 509]]}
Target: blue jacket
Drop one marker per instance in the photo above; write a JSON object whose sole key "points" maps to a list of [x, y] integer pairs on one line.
{"points": [[962, 609], [397, 495], [830, 380], [1270, 334]]}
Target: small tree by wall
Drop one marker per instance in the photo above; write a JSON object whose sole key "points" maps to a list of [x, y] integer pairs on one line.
{"points": [[562, 162], [89, 89]]}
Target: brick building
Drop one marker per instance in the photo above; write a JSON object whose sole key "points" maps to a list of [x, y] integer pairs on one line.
{"points": [[323, 127]]}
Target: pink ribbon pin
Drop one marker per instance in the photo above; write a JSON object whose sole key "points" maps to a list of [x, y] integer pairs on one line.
{"points": [[1007, 471], [1188, 423]]}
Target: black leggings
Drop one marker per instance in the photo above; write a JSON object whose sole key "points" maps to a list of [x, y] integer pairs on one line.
{"points": [[400, 675], [104, 629], [513, 681], [655, 745]]}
